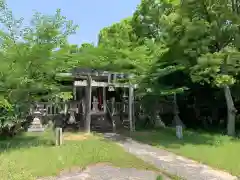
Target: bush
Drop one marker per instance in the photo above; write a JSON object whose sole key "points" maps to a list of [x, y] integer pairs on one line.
{"points": [[10, 130], [12, 122]]}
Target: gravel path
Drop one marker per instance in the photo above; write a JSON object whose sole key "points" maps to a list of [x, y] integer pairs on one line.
{"points": [[106, 172], [171, 163]]}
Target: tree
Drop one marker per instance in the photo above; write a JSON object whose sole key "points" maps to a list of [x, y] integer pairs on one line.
{"points": [[218, 64], [197, 36], [28, 57]]}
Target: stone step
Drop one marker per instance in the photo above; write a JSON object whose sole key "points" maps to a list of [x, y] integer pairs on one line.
{"points": [[126, 123], [36, 126], [36, 122], [35, 129]]}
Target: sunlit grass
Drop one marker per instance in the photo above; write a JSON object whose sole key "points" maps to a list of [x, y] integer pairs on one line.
{"points": [[31, 156], [159, 178]]}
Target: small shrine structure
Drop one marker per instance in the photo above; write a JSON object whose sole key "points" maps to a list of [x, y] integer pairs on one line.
{"points": [[100, 98]]}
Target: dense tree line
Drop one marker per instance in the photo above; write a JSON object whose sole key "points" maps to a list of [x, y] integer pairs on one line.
{"points": [[183, 51]]}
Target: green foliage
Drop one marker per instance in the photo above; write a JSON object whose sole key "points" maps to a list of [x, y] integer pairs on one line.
{"points": [[197, 35], [28, 60], [169, 45], [119, 35], [64, 96]]}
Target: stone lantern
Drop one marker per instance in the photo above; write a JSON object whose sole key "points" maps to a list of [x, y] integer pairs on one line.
{"points": [[36, 125]]}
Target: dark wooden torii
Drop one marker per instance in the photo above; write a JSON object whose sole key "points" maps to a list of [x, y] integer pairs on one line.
{"points": [[87, 75]]}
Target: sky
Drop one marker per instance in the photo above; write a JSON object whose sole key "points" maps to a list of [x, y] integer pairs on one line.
{"points": [[90, 15]]}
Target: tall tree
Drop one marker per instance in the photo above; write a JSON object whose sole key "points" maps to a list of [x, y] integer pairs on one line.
{"points": [[28, 56], [218, 65]]}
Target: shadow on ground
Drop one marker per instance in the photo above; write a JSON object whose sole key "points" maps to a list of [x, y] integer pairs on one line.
{"points": [[23, 141]]}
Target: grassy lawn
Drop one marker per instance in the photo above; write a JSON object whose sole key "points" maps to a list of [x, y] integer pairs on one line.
{"points": [[218, 151], [31, 156]]}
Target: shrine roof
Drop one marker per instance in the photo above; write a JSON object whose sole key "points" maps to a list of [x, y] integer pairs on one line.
{"points": [[96, 72]]}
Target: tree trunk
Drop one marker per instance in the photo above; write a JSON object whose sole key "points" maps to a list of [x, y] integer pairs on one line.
{"points": [[88, 104], [229, 101], [231, 111], [176, 119]]}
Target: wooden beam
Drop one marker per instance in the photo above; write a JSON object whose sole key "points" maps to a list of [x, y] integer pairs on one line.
{"points": [[103, 84], [88, 104]]}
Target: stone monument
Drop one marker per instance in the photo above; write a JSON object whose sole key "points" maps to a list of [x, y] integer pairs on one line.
{"points": [[36, 125]]}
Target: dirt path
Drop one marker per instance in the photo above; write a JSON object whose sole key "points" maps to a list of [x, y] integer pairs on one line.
{"points": [[171, 163]]}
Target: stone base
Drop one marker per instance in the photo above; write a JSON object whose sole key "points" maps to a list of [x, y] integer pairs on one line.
{"points": [[35, 129], [36, 126]]}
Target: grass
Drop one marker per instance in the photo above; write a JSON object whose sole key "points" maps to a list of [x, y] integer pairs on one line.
{"points": [[219, 151], [30, 156], [159, 178]]}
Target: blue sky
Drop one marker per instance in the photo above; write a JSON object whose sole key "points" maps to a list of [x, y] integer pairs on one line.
{"points": [[90, 15]]}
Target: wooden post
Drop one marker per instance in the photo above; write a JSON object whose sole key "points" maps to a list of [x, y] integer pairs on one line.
{"points": [[50, 109], [104, 100], [74, 92], [58, 136], [112, 113], [65, 108], [114, 78], [88, 104], [130, 107], [31, 110], [133, 110], [109, 78]]}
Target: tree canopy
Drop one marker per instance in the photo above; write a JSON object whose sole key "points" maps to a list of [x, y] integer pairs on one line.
{"points": [[173, 47]]}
